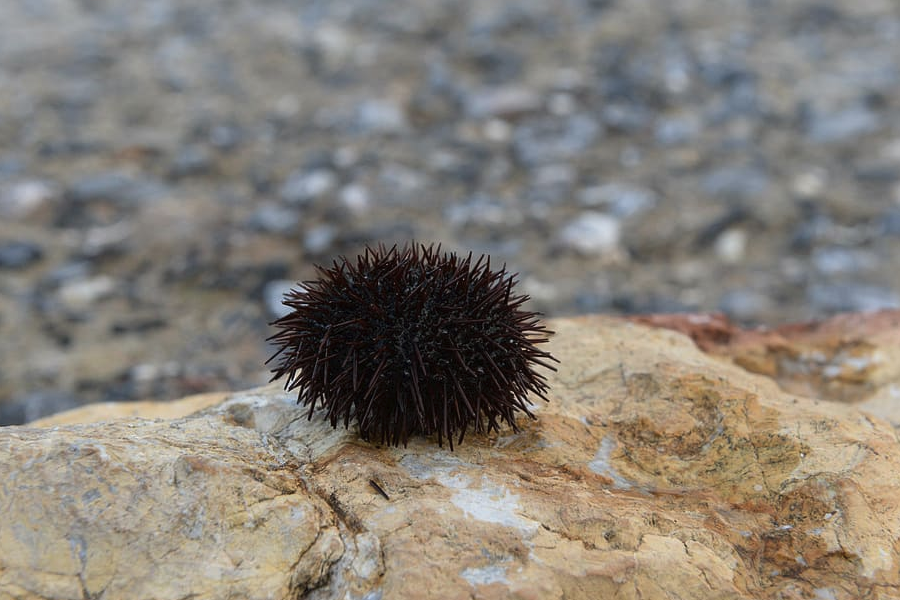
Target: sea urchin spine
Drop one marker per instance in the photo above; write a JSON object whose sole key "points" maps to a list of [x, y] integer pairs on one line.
{"points": [[411, 341]]}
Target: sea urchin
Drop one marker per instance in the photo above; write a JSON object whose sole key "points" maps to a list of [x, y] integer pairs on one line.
{"points": [[412, 341]]}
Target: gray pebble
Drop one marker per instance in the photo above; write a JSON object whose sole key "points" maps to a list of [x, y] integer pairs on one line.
{"points": [[116, 186], [19, 254], [303, 187], [846, 297], [25, 197], [272, 218], [842, 125], [591, 233], [738, 183], [502, 102], [744, 304], [319, 239], [554, 140], [273, 295], [620, 199], [191, 160], [380, 116], [27, 408], [835, 260]]}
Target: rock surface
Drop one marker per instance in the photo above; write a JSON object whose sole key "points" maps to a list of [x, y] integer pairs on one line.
{"points": [[657, 470]]}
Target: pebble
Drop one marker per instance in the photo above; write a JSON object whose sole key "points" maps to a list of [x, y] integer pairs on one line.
{"points": [[502, 102], [842, 125], [273, 218], [618, 198], [674, 131], [190, 160], [116, 186], [744, 304], [592, 233], [273, 295], [303, 187], [554, 140], [835, 260], [34, 405], [845, 297], [26, 197], [319, 239], [738, 183], [731, 245], [380, 116], [355, 198], [80, 294], [19, 254]]}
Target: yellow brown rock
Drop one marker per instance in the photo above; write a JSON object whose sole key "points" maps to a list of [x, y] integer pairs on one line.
{"points": [[657, 471]]}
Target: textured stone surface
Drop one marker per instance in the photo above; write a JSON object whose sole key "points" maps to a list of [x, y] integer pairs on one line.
{"points": [[657, 471]]}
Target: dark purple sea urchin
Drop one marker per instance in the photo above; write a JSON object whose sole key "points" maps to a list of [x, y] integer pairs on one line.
{"points": [[412, 341]]}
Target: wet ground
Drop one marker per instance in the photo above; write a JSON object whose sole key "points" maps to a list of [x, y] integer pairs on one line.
{"points": [[168, 168]]}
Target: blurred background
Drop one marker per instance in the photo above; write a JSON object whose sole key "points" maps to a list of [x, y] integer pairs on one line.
{"points": [[168, 169]]}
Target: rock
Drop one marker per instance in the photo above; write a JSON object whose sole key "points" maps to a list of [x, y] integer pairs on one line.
{"points": [[656, 471], [274, 218], [502, 102], [273, 294], [621, 199], [35, 405], [81, 294], [837, 297], [319, 239], [555, 140], [380, 116], [842, 125], [737, 183], [190, 160], [26, 197], [302, 187], [591, 233], [19, 254], [116, 186]]}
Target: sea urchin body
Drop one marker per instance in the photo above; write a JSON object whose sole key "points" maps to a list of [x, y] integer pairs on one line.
{"points": [[411, 341]]}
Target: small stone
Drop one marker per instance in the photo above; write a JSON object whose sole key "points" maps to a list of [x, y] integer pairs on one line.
{"points": [[731, 245], [303, 187], [191, 160], [849, 297], [592, 233], [35, 405], [116, 186], [673, 131], [497, 130], [744, 304], [19, 254], [319, 239], [355, 198], [26, 197], [835, 260], [842, 125], [502, 102], [620, 199], [380, 116], [82, 293], [810, 184], [273, 295], [273, 218], [224, 136], [555, 140], [736, 182], [107, 240]]}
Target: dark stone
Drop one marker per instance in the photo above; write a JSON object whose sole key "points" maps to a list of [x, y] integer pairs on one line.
{"points": [[35, 405], [19, 254]]}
